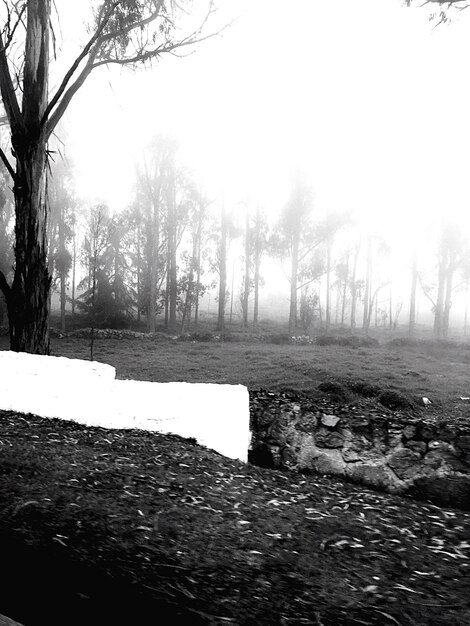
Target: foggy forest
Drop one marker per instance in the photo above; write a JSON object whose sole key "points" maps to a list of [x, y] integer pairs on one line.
{"points": [[234, 312]]}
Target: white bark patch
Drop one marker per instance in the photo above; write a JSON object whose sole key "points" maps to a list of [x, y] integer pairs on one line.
{"points": [[35, 50]]}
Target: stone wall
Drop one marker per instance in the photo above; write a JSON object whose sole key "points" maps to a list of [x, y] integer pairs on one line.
{"points": [[426, 459]]}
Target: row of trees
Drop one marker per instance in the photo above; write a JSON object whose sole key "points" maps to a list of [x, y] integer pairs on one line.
{"points": [[121, 32], [154, 261]]}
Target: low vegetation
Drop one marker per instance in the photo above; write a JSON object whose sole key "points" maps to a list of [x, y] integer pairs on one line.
{"points": [[105, 526]]}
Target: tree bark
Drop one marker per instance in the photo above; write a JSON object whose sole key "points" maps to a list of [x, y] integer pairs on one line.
{"points": [[28, 296]]}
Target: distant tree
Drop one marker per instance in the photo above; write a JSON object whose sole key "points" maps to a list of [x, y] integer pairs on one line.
{"points": [[292, 237], [62, 204], [260, 244], [222, 267], [94, 247], [191, 285], [414, 283], [122, 32]]}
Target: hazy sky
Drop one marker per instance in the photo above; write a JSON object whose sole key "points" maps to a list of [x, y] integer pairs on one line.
{"points": [[365, 96]]}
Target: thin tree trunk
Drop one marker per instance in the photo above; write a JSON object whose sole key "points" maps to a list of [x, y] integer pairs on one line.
{"points": [[293, 281], [345, 288], [74, 264], [448, 300], [354, 289], [246, 290], [465, 327], [138, 287], [439, 310], [198, 277], [222, 270], [257, 262], [367, 291], [414, 283], [328, 279], [153, 260], [173, 284]]}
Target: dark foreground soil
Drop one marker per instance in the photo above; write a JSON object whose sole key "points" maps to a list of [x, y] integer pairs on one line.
{"points": [[128, 527]]}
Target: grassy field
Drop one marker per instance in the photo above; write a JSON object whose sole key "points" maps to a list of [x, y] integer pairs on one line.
{"points": [[429, 369], [109, 527]]}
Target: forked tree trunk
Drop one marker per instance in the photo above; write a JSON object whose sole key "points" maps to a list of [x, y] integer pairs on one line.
{"points": [[28, 296]]}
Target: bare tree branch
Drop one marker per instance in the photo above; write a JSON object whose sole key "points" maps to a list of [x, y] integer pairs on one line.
{"points": [[4, 286], [7, 91], [86, 50], [7, 164]]}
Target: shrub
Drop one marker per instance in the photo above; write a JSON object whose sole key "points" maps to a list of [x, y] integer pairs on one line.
{"points": [[335, 390], [395, 400]]}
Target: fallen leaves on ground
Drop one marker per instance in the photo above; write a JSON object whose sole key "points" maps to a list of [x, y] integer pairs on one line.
{"points": [[156, 521]]}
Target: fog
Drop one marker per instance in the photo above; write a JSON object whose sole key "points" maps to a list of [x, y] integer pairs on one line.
{"points": [[366, 99]]}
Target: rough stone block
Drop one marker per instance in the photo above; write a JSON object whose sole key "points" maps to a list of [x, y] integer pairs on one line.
{"points": [[404, 463], [328, 439], [329, 420]]}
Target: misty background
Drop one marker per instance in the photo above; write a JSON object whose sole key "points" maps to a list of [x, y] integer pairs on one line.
{"points": [[316, 154]]}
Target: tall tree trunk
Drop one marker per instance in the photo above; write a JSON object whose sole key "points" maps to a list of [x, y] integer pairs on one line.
{"points": [[172, 236], [74, 267], [153, 260], [222, 270], [293, 281], [448, 299], [62, 273], [328, 287], [198, 272], [367, 291], [28, 296], [465, 326], [138, 286], [257, 262], [345, 291], [354, 288], [414, 283], [246, 290], [439, 309]]}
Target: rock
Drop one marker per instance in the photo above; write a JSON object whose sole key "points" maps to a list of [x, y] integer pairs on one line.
{"points": [[374, 475], [329, 420], [409, 431], [416, 446], [328, 439], [331, 463], [374, 450], [404, 463]]}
